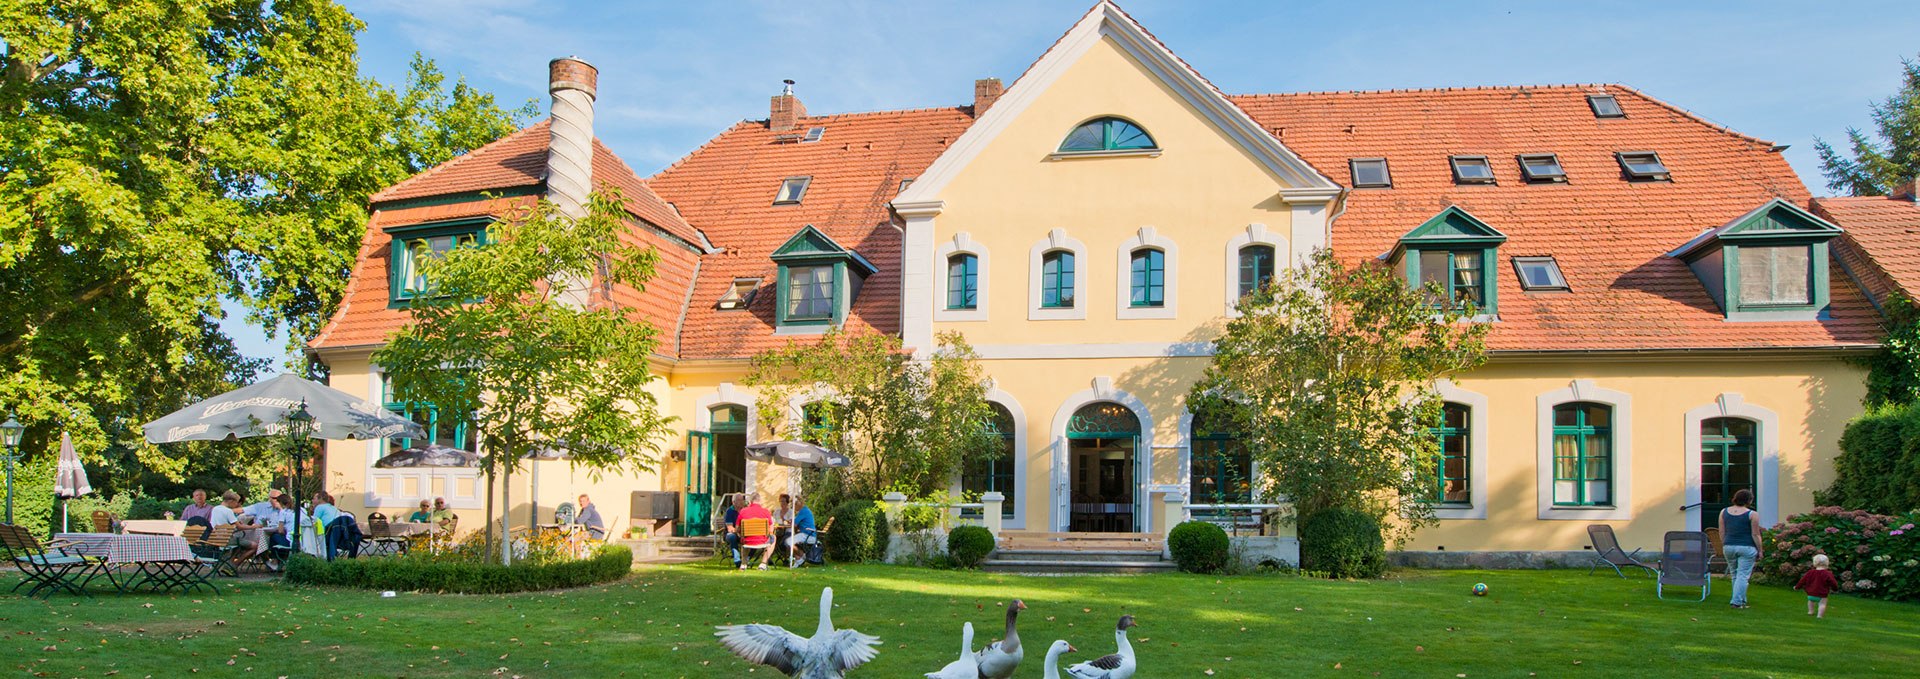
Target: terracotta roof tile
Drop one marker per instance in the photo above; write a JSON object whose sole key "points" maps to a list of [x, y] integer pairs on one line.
{"points": [[1885, 233]]}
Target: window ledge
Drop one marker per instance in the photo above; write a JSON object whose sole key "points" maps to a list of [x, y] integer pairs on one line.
{"points": [[1459, 512], [1585, 513], [1129, 153]]}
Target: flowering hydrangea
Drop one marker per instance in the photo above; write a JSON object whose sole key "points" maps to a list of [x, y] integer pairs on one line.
{"points": [[1872, 554]]}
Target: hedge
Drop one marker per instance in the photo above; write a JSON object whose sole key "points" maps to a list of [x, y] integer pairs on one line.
{"points": [[1878, 469], [1198, 547], [969, 545], [424, 574], [1343, 543], [859, 532], [1872, 555]]}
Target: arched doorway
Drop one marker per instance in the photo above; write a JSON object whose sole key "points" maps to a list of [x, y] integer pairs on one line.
{"points": [[1728, 457], [1103, 469]]}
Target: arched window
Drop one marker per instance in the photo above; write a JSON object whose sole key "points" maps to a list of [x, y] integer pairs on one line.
{"points": [[963, 281], [1452, 479], [1256, 267], [1222, 469], [1728, 447], [1107, 134], [1582, 454], [1149, 278], [995, 474], [1056, 280]]}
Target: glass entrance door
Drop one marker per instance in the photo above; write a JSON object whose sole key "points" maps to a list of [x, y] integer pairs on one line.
{"points": [[1727, 451], [699, 487]]}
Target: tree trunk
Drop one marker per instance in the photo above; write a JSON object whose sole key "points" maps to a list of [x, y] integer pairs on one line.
{"points": [[486, 539], [506, 514]]}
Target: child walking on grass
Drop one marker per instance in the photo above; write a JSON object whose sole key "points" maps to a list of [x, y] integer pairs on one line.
{"points": [[1817, 583]]}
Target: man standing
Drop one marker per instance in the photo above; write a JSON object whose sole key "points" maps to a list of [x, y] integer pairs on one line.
{"points": [[589, 516]]}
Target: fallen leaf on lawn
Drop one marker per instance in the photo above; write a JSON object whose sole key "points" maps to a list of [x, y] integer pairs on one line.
{"points": [[1419, 649], [1336, 666]]}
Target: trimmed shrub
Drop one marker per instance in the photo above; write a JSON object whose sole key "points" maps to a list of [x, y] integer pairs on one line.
{"points": [[1872, 555], [1198, 547], [1878, 469], [144, 507], [969, 545], [859, 532], [1343, 543], [424, 574]]}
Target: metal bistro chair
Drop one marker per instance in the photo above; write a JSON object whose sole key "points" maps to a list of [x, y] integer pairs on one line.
{"points": [[1606, 551], [1684, 563], [49, 567], [380, 538]]}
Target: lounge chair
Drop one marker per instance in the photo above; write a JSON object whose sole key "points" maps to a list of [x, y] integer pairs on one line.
{"points": [[1606, 551], [49, 567], [1684, 563]]}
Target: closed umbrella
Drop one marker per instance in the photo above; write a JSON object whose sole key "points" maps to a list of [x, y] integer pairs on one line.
{"points": [[261, 409], [70, 479], [796, 454]]}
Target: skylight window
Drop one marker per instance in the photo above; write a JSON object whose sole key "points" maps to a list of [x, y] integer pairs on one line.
{"points": [[1539, 273], [740, 294], [1370, 173], [814, 134], [1605, 106], [1643, 165], [1542, 167], [792, 190], [1472, 170]]}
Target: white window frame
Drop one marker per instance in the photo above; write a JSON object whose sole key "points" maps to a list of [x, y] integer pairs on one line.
{"points": [[1057, 239], [1254, 234], [1477, 434], [960, 244], [1622, 431], [1019, 497], [1146, 238]]}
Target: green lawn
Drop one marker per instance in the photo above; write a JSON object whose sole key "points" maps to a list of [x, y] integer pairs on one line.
{"points": [[659, 623]]}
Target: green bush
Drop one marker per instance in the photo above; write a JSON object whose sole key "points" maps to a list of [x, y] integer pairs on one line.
{"points": [[969, 545], [1343, 543], [144, 507], [421, 573], [1872, 555], [34, 507], [1198, 547], [1878, 469], [859, 532]]}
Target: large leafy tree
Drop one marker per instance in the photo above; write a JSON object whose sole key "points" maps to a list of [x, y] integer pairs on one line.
{"points": [[1875, 167], [160, 156], [1327, 375], [500, 340], [909, 425]]}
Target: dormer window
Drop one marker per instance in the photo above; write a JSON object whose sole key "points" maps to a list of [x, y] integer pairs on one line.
{"points": [[1451, 256], [818, 281], [1107, 134], [414, 245], [1542, 168], [739, 295], [792, 189], [1605, 106], [1471, 170], [1370, 173], [1643, 166], [1767, 265]]}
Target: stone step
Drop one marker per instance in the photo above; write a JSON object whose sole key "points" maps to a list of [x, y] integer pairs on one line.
{"points": [[1050, 567], [1077, 556]]}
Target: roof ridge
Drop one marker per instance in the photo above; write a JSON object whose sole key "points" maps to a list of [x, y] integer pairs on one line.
{"points": [[1423, 90], [881, 112], [423, 175], [1703, 120]]}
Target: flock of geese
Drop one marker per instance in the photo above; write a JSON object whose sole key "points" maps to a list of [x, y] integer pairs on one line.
{"points": [[830, 653]]}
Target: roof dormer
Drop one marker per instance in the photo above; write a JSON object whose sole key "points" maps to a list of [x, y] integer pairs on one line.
{"points": [[1455, 251], [817, 283], [1769, 264]]}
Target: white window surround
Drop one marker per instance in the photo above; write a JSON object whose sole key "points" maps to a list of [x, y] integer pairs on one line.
{"points": [[1148, 238], [1766, 468], [725, 394], [1101, 391], [1622, 430], [961, 243], [1183, 441], [1477, 432], [1057, 239], [1255, 234], [463, 485]]}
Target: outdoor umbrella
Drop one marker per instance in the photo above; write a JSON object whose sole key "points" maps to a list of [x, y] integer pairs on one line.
{"points": [[430, 455], [796, 454], [261, 409], [70, 481]]}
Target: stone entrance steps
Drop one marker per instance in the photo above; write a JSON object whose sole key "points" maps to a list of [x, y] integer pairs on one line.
{"points": [[1078, 553], [670, 550]]}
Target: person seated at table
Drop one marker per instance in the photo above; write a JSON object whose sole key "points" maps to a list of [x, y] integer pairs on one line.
{"points": [[423, 515], [262, 509], [327, 519], [280, 528], [442, 518], [589, 517], [228, 512], [730, 525], [800, 543], [198, 509], [762, 539], [783, 520]]}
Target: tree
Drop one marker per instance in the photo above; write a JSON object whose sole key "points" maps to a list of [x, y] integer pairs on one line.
{"points": [[909, 425], [1893, 373], [157, 158], [500, 341], [1877, 167], [1327, 376]]}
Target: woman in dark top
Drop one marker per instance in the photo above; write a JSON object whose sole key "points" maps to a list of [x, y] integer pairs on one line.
{"points": [[1740, 537]]}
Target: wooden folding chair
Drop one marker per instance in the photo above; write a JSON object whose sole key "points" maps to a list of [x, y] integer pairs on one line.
{"points": [[102, 521], [755, 534], [216, 550]]}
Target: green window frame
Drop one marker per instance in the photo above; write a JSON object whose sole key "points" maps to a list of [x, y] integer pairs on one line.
{"points": [[1461, 274], [1107, 134], [1256, 267], [1056, 279], [809, 292], [996, 473], [1583, 454], [450, 432], [413, 244], [1149, 279], [1453, 483], [963, 281], [1221, 466], [1729, 462]]}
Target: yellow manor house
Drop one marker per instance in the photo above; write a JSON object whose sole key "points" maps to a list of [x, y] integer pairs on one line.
{"points": [[1673, 319]]}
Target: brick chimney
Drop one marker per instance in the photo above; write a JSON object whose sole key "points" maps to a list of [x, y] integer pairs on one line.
{"points": [[985, 92], [570, 148], [1908, 191], [786, 111]]}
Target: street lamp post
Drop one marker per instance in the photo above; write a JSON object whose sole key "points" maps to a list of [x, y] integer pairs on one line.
{"points": [[299, 431], [10, 433]]}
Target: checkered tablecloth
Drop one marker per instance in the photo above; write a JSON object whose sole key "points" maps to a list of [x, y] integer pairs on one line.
{"points": [[401, 529], [118, 548]]}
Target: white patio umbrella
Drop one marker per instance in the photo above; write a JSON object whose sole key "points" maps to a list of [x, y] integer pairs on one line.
{"points": [[70, 479]]}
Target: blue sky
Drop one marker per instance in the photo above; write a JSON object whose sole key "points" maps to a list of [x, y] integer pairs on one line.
{"points": [[672, 74]]}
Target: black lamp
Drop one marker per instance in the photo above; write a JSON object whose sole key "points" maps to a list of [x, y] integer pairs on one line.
{"points": [[10, 433], [299, 431]]}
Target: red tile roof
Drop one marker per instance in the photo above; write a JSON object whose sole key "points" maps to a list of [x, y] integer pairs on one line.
{"points": [[1885, 234], [1610, 236], [727, 186]]}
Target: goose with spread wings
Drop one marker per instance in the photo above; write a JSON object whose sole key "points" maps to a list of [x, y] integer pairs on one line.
{"points": [[828, 655]]}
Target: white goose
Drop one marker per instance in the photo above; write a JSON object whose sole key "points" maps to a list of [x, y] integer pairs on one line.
{"points": [[1053, 658], [828, 655], [967, 667], [999, 659], [1114, 666]]}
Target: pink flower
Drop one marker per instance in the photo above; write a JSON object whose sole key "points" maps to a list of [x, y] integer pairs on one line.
{"points": [[1900, 532], [1862, 549], [1831, 529], [1907, 527]]}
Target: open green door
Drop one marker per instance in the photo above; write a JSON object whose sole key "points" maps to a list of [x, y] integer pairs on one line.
{"points": [[697, 520]]}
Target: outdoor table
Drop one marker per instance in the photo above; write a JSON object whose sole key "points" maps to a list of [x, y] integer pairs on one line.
{"points": [[154, 527], [400, 529], [160, 562]]}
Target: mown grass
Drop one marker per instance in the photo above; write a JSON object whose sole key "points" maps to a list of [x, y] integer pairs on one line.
{"points": [[659, 623]]}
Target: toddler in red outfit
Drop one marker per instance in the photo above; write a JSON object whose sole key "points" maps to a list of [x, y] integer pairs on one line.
{"points": [[1817, 583]]}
